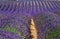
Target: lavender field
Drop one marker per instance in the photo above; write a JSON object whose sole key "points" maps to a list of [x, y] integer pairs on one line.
{"points": [[16, 23]]}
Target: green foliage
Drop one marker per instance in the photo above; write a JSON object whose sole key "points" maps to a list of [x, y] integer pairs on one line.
{"points": [[52, 35], [11, 29]]}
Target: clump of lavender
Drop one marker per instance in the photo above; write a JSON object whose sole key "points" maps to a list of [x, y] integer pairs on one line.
{"points": [[18, 27], [45, 21]]}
